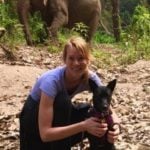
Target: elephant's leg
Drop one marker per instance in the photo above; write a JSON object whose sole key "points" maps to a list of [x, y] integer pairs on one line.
{"points": [[93, 24], [23, 12], [59, 20]]}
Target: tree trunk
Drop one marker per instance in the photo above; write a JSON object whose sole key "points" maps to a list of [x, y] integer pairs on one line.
{"points": [[115, 19]]}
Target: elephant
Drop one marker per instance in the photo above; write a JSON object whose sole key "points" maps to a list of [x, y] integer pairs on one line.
{"points": [[60, 13]]}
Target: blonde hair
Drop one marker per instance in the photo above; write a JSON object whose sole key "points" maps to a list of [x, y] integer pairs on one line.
{"points": [[83, 47], [80, 44]]}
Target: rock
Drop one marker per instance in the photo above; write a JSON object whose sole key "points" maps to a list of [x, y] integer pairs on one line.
{"points": [[146, 88], [2, 31]]}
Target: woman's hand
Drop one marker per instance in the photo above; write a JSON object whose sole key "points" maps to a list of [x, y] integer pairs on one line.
{"points": [[112, 136], [94, 127]]}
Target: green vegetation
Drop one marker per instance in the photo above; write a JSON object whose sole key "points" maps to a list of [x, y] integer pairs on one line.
{"points": [[134, 44], [37, 27], [101, 37], [136, 38], [127, 8], [102, 59], [9, 21], [81, 29], [64, 34]]}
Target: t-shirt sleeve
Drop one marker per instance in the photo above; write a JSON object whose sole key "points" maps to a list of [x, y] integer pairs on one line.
{"points": [[96, 79], [49, 87]]}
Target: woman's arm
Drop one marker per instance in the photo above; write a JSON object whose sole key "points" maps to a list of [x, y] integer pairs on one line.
{"points": [[115, 118], [49, 133], [113, 135]]}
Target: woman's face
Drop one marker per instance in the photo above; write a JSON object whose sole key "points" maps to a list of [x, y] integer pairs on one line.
{"points": [[76, 63]]}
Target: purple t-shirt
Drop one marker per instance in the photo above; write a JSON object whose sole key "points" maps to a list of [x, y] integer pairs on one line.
{"points": [[52, 82]]}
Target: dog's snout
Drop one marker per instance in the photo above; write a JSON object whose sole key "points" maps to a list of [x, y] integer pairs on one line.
{"points": [[105, 107]]}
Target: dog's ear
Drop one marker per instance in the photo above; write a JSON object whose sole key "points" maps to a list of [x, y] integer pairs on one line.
{"points": [[111, 85], [92, 85]]}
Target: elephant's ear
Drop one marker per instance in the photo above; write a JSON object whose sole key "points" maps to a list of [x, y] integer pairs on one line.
{"points": [[93, 85], [111, 85]]}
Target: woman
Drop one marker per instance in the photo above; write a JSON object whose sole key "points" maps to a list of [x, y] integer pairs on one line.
{"points": [[49, 121]]}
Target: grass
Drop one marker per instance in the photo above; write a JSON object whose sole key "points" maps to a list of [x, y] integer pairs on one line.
{"points": [[101, 37], [112, 55]]}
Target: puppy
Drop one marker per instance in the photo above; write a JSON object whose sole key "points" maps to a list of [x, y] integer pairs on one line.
{"points": [[101, 109]]}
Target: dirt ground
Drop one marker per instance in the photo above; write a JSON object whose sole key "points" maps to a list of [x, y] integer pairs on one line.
{"points": [[131, 98]]}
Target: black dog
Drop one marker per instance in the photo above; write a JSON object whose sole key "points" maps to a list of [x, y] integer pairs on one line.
{"points": [[101, 109]]}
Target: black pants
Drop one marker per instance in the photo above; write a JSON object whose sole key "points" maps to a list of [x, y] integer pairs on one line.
{"points": [[64, 114]]}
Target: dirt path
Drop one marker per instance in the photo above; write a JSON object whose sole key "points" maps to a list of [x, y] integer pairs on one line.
{"points": [[131, 98]]}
